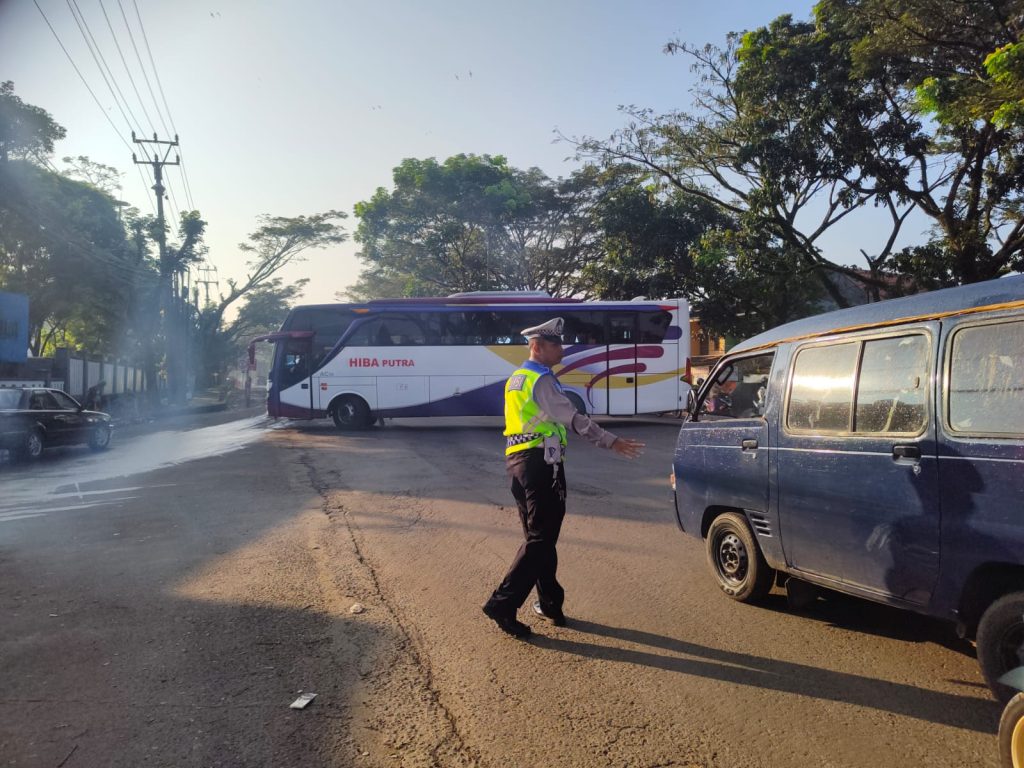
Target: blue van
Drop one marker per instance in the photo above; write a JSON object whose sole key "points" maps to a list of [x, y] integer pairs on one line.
{"points": [[877, 451]]}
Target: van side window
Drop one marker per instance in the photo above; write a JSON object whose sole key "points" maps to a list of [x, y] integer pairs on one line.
{"points": [[822, 391], [892, 385], [739, 389], [986, 379]]}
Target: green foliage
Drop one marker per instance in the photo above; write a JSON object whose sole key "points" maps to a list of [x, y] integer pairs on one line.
{"points": [[63, 244], [958, 62], [26, 131], [473, 223]]}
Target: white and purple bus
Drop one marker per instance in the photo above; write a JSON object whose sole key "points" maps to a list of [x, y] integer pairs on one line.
{"points": [[451, 356]]}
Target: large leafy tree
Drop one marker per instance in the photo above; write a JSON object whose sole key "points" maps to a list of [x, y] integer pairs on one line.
{"points": [[474, 223], [63, 244], [661, 242], [277, 242], [902, 105], [26, 131], [950, 74]]}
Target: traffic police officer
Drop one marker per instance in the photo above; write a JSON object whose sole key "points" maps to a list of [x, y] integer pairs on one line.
{"points": [[536, 415]]}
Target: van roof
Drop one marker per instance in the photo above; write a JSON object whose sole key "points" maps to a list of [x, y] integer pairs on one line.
{"points": [[921, 306]]}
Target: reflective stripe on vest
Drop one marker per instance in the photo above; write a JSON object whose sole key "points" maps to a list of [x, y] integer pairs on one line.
{"points": [[524, 424]]}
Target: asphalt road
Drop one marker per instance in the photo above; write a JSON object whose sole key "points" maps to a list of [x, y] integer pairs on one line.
{"points": [[162, 605]]}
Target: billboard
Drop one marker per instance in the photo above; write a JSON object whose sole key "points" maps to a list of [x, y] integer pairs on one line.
{"points": [[13, 327]]}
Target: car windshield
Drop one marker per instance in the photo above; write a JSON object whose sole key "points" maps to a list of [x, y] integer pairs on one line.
{"points": [[9, 398]]}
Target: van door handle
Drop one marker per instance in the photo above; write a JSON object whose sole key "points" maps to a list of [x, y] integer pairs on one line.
{"points": [[906, 452], [305, 385], [748, 445]]}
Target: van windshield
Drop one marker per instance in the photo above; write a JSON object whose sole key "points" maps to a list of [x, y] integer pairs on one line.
{"points": [[738, 390]]}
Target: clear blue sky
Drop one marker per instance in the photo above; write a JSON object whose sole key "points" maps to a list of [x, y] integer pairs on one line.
{"points": [[289, 108]]}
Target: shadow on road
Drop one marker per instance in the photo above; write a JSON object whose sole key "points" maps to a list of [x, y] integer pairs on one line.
{"points": [[760, 672]]}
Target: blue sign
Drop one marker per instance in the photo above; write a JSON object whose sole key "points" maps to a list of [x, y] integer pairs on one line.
{"points": [[13, 327]]}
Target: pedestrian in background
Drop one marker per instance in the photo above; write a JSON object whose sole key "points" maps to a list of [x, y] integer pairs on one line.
{"points": [[536, 415]]}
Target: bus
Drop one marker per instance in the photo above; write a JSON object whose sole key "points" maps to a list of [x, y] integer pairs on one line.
{"points": [[451, 356]]}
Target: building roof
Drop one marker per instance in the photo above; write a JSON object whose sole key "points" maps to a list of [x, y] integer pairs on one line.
{"points": [[921, 306]]}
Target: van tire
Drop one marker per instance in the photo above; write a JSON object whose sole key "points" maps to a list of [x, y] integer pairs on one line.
{"points": [[351, 412], [1000, 642], [736, 560]]}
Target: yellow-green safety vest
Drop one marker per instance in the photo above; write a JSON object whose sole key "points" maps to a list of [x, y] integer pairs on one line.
{"points": [[525, 426]]}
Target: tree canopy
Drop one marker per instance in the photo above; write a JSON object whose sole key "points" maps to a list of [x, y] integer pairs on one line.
{"points": [[474, 223]]}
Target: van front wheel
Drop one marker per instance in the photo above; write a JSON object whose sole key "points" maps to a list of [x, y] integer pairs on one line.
{"points": [[736, 561], [1000, 642]]}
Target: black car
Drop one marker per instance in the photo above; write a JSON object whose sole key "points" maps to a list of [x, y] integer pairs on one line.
{"points": [[34, 418]]}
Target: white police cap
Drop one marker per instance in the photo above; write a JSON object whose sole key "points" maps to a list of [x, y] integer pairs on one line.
{"points": [[549, 331]]}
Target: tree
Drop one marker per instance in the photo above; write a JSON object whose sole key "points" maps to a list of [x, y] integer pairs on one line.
{"points": [[26, 131], [798, 125], [105, 178], [661, 242], [959, 62], [276, 243], [473, 223], [62, 244]]}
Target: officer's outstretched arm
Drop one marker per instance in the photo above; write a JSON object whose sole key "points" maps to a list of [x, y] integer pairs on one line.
{"points": [[631, 449]]}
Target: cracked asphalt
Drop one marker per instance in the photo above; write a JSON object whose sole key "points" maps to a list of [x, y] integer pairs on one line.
{"points": [[165, 610]]}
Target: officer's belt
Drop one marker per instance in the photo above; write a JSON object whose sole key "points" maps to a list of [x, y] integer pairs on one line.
{"points": [[520, 439]]}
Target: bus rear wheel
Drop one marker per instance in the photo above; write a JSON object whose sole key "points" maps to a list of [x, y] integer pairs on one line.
{"points": [[350, 413]]}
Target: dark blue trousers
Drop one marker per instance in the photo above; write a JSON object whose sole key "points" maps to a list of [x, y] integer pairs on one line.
{"points": [[540, 495]]}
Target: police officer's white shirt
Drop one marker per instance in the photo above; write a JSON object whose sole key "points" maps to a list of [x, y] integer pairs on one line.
{"points": [[557, 407]]}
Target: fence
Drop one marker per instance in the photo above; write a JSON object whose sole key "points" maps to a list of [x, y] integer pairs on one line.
{"points": [[76, 373]]}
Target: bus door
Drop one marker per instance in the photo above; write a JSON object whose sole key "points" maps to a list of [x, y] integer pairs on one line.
{"points": [[621, 378], [292, 377]]}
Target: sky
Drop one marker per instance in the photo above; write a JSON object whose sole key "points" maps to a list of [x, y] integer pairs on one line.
{"points": [[298, 107]]}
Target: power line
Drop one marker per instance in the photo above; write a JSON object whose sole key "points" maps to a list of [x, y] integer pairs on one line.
{"points": [[94, 49], [145, 77], [126, 68], [160, 87], [80, 75]]}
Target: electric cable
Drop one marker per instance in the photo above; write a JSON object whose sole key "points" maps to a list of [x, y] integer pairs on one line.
{"points": [[160, 87], [126, 68], [142, 66], [81, 76]]}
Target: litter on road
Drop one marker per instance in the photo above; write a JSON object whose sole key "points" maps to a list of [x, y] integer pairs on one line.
{"points": [[303, 701]]}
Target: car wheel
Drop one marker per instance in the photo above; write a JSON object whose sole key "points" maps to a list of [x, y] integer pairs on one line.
{"points": [[351, 412], [1000, 642], [1011, 734], [736, 561], [32, 446], [99, 439]]}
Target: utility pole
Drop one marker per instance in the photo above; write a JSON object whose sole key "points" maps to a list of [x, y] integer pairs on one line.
{"points": [[172, 315], [205, 281]]}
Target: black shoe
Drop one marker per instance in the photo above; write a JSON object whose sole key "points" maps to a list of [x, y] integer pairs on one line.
{"points": [[507, 624], [555, 617]]}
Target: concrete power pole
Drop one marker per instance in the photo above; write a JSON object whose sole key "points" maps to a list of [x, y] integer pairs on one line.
{"points": [[174, 316]]}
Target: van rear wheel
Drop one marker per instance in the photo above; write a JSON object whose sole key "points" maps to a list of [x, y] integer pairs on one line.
{"points": [[736, 560], [1000, 642]]}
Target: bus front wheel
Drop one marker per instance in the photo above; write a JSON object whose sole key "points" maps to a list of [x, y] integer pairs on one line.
{"points": [[351, 412]]}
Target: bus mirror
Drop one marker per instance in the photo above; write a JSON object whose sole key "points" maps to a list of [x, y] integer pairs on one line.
{"points": [[700, 380]]}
